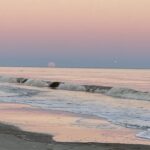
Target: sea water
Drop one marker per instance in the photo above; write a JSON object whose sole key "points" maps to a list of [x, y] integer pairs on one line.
{"points": [[119, 95]]}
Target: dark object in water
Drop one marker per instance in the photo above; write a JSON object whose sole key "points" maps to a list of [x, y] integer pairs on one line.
{"points": [[54, 85], [21, 80]]}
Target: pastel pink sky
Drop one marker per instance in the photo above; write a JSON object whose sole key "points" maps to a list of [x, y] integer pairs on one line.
{"points": [[80, 29]]}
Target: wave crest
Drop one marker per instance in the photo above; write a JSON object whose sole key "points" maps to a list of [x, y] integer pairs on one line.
{"points": [[128, 93], [72, 87], [118, 92]]}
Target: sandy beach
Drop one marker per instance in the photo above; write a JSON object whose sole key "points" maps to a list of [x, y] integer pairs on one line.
{"points": [[11, 138], [47, 133], [67, 127]]}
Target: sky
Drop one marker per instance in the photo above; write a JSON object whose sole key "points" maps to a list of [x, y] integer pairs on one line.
{"points": [[75, 33]]}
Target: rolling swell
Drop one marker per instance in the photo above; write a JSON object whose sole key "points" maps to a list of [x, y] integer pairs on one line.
{"points": [[118, 92]]}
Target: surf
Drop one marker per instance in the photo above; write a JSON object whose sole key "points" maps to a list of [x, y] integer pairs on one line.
{"points": [[117, 92]]}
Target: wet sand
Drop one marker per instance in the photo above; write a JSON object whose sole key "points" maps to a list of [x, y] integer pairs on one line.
{"points": [[12, 138], [67, 127]]}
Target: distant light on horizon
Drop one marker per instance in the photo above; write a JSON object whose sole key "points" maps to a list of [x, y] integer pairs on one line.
{"points": [[115, 61], [51, 65]]}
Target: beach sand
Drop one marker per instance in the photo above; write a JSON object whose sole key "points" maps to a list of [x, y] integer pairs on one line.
{"points": [[37, 129], [67, 127], [11, 138]]}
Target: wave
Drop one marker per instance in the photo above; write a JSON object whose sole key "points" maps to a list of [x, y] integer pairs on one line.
{"points": [[128, 94], [118, 92]]}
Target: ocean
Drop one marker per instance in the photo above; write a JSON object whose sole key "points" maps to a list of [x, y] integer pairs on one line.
{"points": [[121, 96]]}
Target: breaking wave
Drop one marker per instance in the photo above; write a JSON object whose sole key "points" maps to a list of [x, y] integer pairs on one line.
{"points": [[118, 92], [128, 94]]}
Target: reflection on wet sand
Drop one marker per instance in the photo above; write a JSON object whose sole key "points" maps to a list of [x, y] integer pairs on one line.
{"points": [[67, 127]]}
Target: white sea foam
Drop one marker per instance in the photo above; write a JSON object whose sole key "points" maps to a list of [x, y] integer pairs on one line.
{"points": [[37, 83], [71, 87], [4, 94], [144, 134]]}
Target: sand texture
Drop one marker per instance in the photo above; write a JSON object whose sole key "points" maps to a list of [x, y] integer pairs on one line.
{"points": [[11, 138]]}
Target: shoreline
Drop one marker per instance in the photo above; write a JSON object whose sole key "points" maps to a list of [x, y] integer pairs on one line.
{"points": [[38, 141], [66, 127]]}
